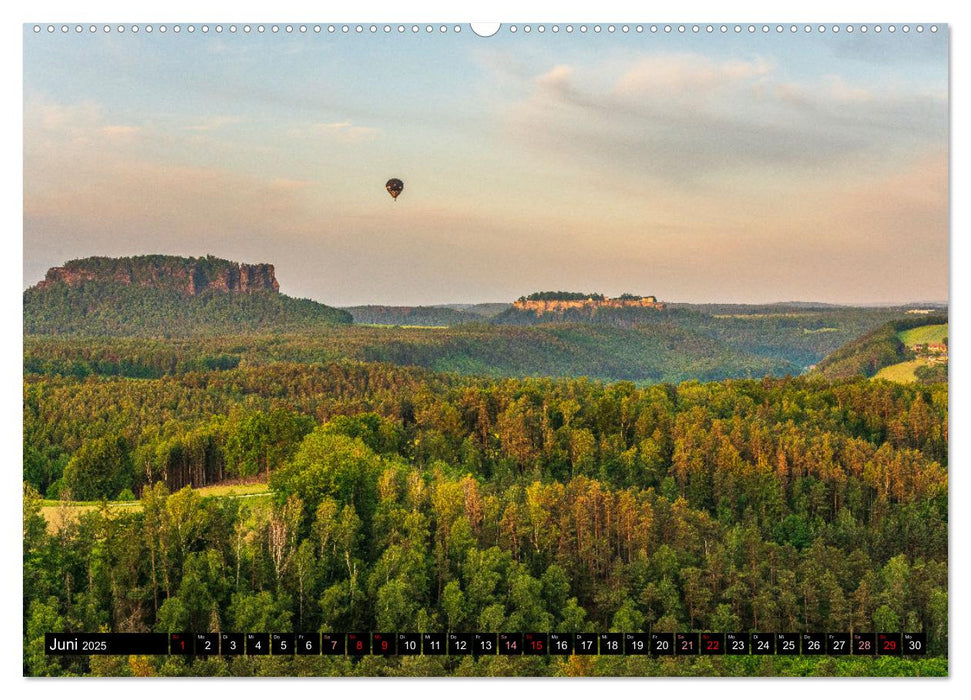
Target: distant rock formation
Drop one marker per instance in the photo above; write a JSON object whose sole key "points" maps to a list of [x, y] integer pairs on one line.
{"points": [[191, 276], [541, 306]]}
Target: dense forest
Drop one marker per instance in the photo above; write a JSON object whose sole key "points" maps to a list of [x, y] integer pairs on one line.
{"points": [[407, 500]]}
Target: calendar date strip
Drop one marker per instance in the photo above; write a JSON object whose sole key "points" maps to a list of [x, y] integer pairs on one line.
{"points": [[489, 644]]}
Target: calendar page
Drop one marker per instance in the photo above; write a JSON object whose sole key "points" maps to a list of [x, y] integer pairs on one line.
{"points": [[590, 349]]}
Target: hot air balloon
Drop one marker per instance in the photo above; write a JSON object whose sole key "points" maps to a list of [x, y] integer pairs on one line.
{"points": [[394, 187]]}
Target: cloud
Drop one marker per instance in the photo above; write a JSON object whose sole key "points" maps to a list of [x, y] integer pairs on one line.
{"points": [[557, 78], [687, 121], [82, 122], [120, 130], [682, 76], [214, 123], [348, 132], [289, 185]]}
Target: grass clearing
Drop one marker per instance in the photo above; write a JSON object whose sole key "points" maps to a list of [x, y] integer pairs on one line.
{"points": [[902, 372], [50, 503], [230, 490], [59, 513], [923, 334]]}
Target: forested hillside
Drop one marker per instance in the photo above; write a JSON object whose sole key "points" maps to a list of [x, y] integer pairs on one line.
{"points": [[880, 348], [409, 500], [800, 335], [654, 354]]}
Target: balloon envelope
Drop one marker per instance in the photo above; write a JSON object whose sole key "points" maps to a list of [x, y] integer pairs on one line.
{"points": [[394, 187]]}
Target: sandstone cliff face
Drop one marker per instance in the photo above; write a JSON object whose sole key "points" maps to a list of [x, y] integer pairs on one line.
{"points": [[553, 305], [191, 276]]}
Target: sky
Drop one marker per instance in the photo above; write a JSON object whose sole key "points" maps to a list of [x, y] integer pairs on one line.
{"points": [[701, 167]]}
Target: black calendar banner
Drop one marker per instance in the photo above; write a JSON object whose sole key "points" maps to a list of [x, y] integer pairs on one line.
{"points": [[486, 644]]}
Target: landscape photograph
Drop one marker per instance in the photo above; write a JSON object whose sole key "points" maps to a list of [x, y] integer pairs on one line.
{"points": [[400, 351]]}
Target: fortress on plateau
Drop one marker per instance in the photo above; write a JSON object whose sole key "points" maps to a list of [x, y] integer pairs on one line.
{"points": [[546, 302]]}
